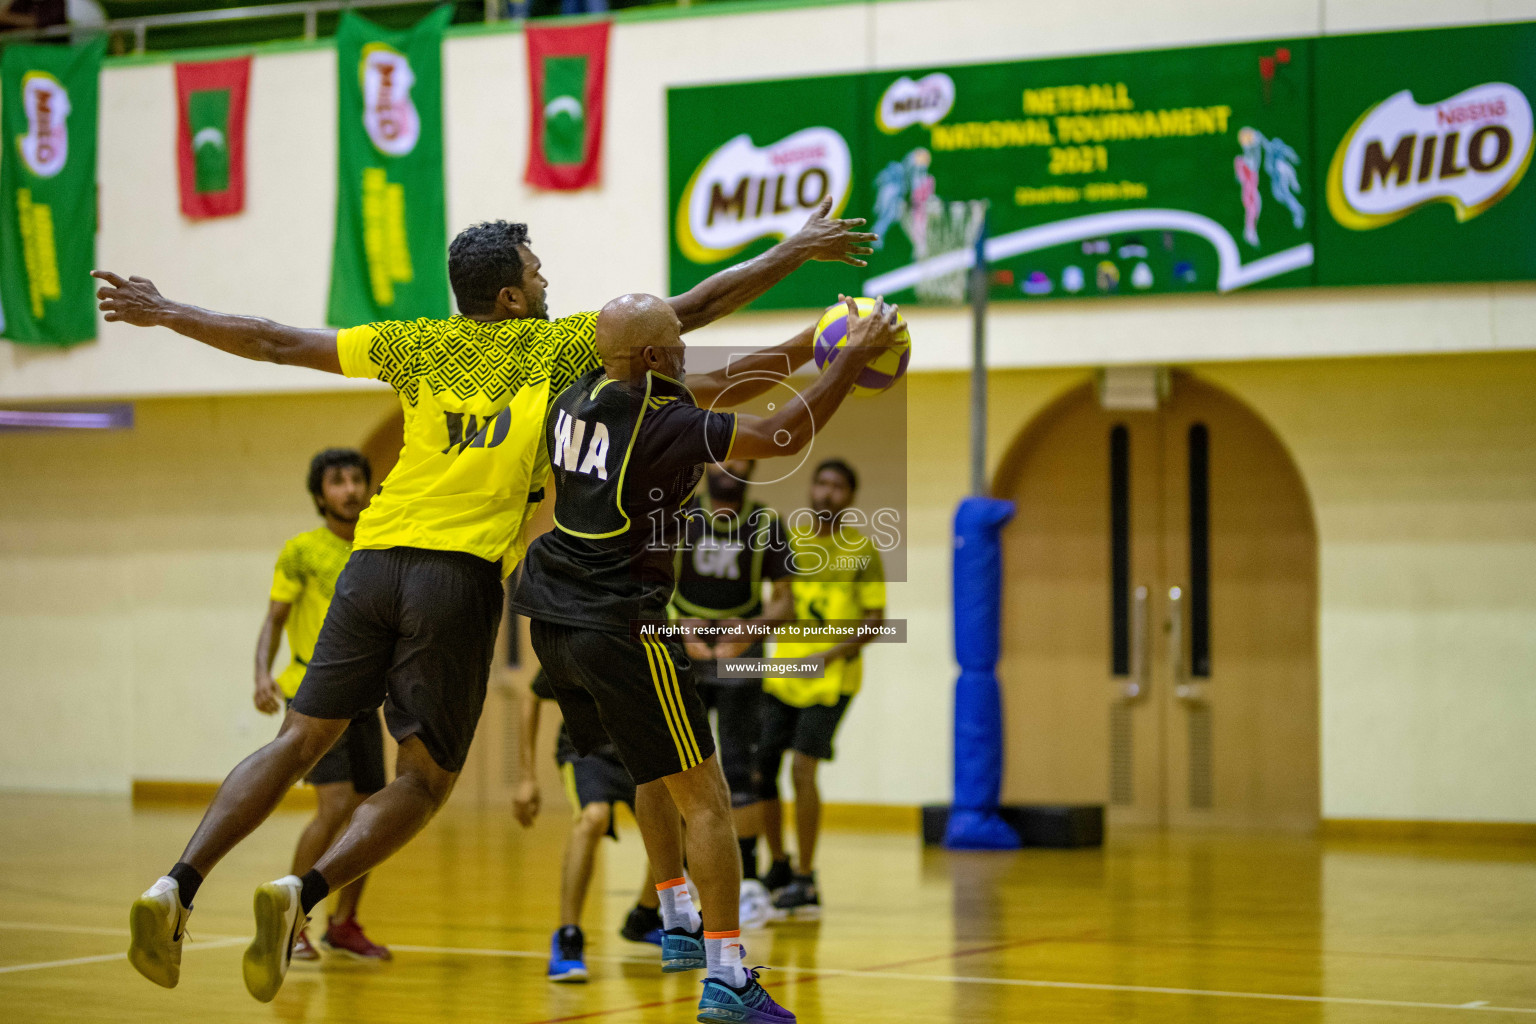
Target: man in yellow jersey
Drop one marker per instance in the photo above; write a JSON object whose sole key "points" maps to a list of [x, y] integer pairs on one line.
{"points": [[414, 618], [839, 579], [352, 770]]}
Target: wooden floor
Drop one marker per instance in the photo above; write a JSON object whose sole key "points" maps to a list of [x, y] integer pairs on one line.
{"points": [[1153, 928]]}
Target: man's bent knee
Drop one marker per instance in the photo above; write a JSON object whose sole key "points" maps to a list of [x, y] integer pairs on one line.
{"points": [[309, 738], [594, 819], [700, 789], [414, 767]]}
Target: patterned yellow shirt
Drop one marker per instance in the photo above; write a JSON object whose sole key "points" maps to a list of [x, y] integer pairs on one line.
{"points": [[306, 578], [474, 396], [839, 578]]}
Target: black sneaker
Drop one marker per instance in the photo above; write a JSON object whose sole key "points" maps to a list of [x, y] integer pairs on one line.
{"points": [[779, 875], [643, 925], [799, 900]]}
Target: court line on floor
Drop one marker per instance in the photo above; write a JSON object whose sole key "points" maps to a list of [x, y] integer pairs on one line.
{"points": [[105, 957], [952, 979], [79, 929], [818, 972]]}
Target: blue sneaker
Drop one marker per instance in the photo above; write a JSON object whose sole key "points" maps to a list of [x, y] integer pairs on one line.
{"points": [[682, 950], [750, 1004], [565, 955]]}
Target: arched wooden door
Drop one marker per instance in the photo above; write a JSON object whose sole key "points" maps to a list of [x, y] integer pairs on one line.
{"points": [[1160, 615]]}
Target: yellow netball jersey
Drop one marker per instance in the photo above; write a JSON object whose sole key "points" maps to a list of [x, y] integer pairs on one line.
{"points": [[842, 579], [306, 578], [474, 396]]}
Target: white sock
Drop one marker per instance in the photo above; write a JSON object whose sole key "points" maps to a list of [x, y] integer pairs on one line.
{"points": [[677, 906], [722, 955]]}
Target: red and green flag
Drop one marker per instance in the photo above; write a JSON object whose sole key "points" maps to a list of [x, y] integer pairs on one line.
{"points": [[566, 71], [210, 136]]}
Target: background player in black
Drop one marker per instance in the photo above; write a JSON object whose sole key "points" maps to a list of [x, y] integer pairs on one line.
{"points": [[594, 783], [732, 546], [627, 445]]}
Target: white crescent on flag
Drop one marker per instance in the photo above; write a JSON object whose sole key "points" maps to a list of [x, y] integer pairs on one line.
{"points": [[208, 137], [570, 104]]}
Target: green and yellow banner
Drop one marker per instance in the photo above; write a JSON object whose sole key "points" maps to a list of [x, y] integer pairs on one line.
{"points": [[48, 192], [391, 254], [1370, 159]]}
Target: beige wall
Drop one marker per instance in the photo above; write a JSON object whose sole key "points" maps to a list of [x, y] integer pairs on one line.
{"points": [[1423, 483], [134, 569], [275, 258], [133, 566]]}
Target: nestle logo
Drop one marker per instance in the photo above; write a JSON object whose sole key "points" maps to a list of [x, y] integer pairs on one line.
{"points": [[1470, 112], [794, 156]]}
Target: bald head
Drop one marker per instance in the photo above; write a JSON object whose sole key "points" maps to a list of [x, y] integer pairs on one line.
{"points": [[637, 333]]}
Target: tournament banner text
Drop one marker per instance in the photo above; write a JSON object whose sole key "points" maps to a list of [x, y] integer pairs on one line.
{"points": [[1367, 159]]}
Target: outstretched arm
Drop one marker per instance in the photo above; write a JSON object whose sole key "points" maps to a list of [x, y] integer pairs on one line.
{"points": [[794, 425], [137, 301], [745, 378], [823, 238]]}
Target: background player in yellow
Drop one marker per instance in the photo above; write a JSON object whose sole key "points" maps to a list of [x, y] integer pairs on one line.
{"points": [[838, 578], [414, 618], [353, 769]]}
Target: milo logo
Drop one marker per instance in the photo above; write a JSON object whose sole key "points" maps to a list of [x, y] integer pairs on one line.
{"points": [[1469, 151], [742, 192], [389, 113], [45, 146], [925, 101]]}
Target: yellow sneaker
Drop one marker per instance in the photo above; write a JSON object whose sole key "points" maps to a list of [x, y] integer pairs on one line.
{"points": [[279, 919], [157, 923]]}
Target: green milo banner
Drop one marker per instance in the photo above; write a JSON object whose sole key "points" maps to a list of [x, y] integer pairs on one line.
{"points": [[1426, 140], [48, 192], [391, 253], [1269, 164]]}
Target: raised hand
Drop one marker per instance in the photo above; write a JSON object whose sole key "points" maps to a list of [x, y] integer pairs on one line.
{"points": [[135, 300], [870, 335], [833, 240]]}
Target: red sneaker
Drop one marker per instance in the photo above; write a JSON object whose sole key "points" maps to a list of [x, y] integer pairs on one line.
{"points": [[346, 937], [302, 950]]}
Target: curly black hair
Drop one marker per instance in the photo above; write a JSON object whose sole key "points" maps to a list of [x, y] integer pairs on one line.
{"points": [[483, 260], [333, 457], [842, 467]]}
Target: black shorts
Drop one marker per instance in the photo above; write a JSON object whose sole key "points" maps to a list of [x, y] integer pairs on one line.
{"points": [[807, 731], [737, 704], [356, 757], [413, 630], [640, 693], [598, 778]]}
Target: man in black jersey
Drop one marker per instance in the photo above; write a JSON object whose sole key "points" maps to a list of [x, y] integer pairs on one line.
{"points": [[731, 547], [626, 445]]}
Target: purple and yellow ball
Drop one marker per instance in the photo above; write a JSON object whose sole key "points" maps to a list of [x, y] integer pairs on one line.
{"points": [[884, 370]]}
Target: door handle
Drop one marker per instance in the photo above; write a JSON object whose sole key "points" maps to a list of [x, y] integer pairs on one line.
{"points": [[1135, 687], [1186, 691]]}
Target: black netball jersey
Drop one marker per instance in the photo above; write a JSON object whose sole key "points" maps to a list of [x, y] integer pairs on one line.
{"points": [[724, 560], [624, 458]]}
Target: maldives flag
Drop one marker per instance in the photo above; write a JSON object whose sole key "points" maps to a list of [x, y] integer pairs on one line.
{"points": [[566, 69], [210, 136]]}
